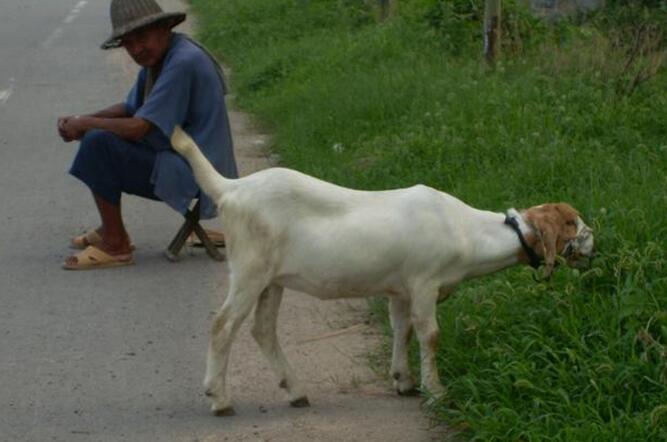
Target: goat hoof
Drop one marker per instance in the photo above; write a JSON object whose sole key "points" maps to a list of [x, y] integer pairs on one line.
{"points": [[283, 383], [209, 393], [225, 412], [300, 402]]}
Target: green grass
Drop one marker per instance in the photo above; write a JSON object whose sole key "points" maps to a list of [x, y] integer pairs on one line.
{"points": [[375, 106]]}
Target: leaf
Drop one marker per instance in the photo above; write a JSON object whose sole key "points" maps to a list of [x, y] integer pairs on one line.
{"points": [[658, 413], [524, 383]]}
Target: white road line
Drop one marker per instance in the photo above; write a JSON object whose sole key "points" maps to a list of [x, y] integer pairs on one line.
{"points": [[80, 5], [53, 37], [73, 14], [6, 93]]}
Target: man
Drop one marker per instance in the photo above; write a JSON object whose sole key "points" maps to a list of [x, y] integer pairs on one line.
{"points": [[126, 148]]}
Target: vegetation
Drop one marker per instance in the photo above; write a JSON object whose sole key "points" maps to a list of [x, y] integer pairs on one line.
{"points": [[575, 111]]}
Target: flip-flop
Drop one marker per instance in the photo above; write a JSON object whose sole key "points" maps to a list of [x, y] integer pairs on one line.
{"points": [[90, 238], [217, 238], [93, 258]]}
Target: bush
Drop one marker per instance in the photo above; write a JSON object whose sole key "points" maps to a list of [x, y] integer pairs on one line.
{"points": [[637, 31]]}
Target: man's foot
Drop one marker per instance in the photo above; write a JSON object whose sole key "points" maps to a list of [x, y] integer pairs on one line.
{"points": [[91, 238], [95, 258]]}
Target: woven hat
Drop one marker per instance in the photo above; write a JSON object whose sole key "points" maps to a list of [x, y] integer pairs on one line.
{"points": [[130, 15]]}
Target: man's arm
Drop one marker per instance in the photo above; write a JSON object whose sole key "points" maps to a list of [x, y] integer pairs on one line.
{"points": [[114, 119], [114, 111]]}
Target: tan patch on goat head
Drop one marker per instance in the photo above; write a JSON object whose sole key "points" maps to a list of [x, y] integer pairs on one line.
{"points": [[556, 225]]}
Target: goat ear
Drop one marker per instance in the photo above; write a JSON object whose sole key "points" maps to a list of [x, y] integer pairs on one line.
{"points": [[549, 240], [545, 221], [547, 232]]}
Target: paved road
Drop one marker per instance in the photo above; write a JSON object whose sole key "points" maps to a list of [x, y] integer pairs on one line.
{"points": [[104, 355], [119, 354]]}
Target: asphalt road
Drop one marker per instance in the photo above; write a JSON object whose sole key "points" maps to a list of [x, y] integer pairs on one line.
{"points": [[104, 355], [119, 354]]}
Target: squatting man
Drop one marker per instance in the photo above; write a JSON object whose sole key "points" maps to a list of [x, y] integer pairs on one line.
{"points": [[125, 148]]}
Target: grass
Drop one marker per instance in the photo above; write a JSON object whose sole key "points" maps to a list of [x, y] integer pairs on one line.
{"points": [[375, 106]]}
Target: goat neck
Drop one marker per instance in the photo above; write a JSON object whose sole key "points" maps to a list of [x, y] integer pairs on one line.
{"points": [[497, 245]]}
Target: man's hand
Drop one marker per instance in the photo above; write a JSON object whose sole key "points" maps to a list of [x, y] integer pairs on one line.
{"points": [[114, 119], [70, 128]]}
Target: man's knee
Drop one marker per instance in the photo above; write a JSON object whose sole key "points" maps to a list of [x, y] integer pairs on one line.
{"points": [[97, 150], [95, 138]]}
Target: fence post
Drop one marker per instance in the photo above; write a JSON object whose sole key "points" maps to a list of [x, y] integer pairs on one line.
{"points": [[385, 9], [491, 31]]}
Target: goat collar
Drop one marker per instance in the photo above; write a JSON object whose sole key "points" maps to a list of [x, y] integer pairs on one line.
{"points": [[534, 260]]}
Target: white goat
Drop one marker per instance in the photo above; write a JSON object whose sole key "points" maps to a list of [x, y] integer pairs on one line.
{"points": [[414, 245]]}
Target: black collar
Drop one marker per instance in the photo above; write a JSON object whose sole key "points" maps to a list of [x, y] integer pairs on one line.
{"points": [[532, 256]]}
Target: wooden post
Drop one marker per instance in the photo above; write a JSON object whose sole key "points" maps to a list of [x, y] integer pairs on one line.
{"points": [[385, 9], [492, 31]]}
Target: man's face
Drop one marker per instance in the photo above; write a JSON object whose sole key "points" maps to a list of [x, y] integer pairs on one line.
{"points": [[148, 45]]}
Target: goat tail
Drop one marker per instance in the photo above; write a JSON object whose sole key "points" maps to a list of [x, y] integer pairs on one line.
{"points": [[210, 181]]}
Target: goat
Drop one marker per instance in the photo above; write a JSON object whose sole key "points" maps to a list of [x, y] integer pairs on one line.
{"points": [[285, 229]]}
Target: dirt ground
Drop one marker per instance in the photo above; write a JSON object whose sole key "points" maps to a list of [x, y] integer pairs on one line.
{"points": [[327, 343]]}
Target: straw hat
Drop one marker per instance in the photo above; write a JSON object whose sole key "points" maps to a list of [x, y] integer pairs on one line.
{"points": [[130, 15]]}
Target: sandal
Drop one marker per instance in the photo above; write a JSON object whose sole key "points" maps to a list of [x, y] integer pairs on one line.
{"points": [[90, 238], [93, 258]]}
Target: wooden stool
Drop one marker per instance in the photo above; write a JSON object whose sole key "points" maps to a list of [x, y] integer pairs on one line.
{"points": [[191, 224]]}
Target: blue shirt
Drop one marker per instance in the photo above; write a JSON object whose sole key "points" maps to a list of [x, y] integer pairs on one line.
{"points": [[188, 92]]}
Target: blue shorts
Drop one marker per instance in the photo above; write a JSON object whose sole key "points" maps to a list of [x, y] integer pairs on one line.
{"points": [[110, 165]]}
